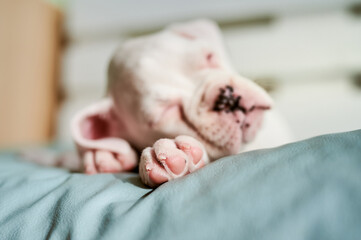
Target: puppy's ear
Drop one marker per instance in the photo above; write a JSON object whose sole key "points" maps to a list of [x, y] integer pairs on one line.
{"points": [[201, 29], [97, 127], [207, 31]]}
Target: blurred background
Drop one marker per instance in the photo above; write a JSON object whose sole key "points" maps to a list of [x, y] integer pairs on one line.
{"points": [[54, 57]]}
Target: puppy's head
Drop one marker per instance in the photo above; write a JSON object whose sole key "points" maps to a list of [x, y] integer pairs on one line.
{"points": [[180, 82]]}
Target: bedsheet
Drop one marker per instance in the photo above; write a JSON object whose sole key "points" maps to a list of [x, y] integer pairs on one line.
{"points": [[304, 190]]}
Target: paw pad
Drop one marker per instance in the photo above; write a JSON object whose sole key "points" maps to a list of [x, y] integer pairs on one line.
{"points": [[169, 159]]}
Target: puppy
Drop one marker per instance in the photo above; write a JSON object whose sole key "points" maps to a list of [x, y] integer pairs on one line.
{"points": [[174, 96]]}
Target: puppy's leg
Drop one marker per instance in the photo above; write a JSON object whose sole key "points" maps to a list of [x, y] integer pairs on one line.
{"points": [[171, 158], [96, 131]]}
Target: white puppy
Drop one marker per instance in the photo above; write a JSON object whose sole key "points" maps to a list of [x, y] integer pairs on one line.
{"points": [[174, 95]]}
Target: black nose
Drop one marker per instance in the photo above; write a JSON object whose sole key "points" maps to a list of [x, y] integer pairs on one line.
{"points": [[228, 101]]}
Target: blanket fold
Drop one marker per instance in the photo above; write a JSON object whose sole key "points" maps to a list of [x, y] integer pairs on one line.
{"points": [[304, 190]]}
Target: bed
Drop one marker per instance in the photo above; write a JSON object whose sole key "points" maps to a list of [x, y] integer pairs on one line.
{"points": [[305, 190]]}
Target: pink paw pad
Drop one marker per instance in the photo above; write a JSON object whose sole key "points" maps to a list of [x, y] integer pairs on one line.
{"points": [[169, 159]]}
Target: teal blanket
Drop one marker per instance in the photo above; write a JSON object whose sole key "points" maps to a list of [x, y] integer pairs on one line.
{"points": [[304, 190]]}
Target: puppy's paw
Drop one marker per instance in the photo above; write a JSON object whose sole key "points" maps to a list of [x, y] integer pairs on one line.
{"points": [[169, 159], [102, 161]]}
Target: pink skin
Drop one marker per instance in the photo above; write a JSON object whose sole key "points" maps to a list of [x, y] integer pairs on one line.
{"points": [[162, 92], [169, 159]]}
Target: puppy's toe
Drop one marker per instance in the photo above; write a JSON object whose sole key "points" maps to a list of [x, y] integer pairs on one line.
{"points": [[127, 162], [173, 159], [106, 162], [89, 164], [151, 171], [194, 150]]}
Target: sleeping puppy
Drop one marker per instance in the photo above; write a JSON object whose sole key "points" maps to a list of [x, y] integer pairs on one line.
{"points": [[174, 96]]}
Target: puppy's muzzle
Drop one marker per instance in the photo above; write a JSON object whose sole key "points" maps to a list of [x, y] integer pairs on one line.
{"points": [[241, 101]]}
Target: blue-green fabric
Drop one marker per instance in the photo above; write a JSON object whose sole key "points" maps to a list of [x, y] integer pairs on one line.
{"points": [[305, 190]]}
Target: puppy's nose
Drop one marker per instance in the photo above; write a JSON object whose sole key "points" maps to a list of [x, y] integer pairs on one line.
{"points": [[228, 101]]}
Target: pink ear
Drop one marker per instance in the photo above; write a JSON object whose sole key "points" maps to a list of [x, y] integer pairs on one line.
{"points": [[97, 127]]}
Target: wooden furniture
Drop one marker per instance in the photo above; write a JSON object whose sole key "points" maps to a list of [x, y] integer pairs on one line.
{"points": [[29, 51]]}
